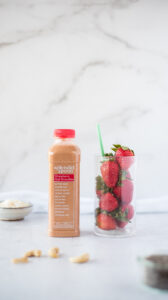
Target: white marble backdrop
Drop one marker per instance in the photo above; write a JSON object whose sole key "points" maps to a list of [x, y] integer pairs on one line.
{"points": [[73, 64]]}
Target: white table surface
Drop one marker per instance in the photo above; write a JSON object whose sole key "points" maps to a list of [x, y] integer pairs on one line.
{"points": [[112, 273]]}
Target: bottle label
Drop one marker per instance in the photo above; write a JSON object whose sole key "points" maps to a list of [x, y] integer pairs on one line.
{"points": [[63, 194], [63, 177]]}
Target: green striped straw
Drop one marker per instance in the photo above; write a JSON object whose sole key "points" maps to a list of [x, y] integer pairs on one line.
{"points": [[100, 139]]}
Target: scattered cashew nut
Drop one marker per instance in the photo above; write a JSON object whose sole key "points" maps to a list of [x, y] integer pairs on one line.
{"points": [[53, 252], [19, 260], [31, 253], [80, 259]]}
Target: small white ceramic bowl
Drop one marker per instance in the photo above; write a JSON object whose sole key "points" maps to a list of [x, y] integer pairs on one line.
{"points": [[15, 213]]}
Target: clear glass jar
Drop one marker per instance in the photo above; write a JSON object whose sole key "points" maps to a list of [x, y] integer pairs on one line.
{"points": [[115, 196]]}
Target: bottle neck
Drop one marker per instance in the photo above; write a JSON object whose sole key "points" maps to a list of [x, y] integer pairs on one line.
{"points": [[63, 140]]}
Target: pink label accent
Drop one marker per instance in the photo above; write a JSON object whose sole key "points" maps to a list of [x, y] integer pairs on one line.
{"points": [[63, 177]]}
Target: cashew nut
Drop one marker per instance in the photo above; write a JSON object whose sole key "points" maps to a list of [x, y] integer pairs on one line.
{"points": [[19, 260], [31, 253], [53, 252], [80, 259]]}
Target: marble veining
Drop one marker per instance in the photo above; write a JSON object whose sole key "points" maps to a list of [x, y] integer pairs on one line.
{"points": [[76, 63], [75, 80]]}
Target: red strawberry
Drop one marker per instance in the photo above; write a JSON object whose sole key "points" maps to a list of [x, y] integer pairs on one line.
{"points": [[105, 222], [125, 191], [108, 202], [124, 174], [110, 172], [128, 175], [121, 224], [124, 156], [99, 193], [117, 191], [130, 211]]}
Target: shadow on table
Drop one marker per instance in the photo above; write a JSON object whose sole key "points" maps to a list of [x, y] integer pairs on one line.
{"points": [[87, 233]]}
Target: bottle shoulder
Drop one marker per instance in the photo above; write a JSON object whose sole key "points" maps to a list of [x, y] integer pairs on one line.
{"points": [[63, 148]]}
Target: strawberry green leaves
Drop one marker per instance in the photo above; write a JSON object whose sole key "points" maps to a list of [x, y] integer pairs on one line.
{"points": [[117, 147], [101, 186], [118, 214]]}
